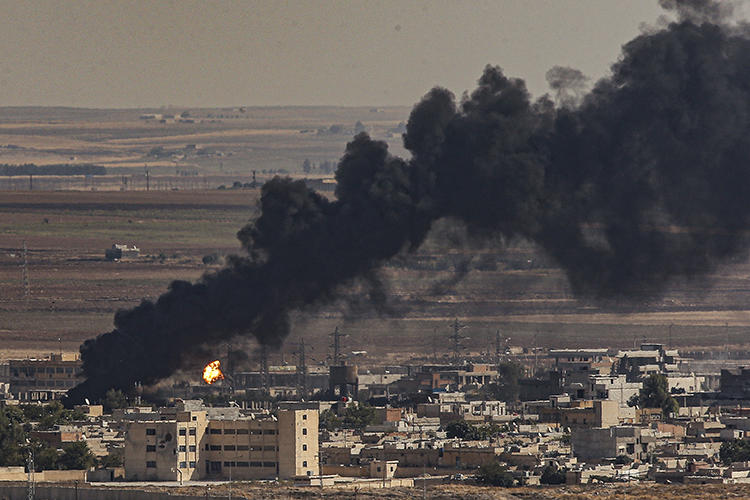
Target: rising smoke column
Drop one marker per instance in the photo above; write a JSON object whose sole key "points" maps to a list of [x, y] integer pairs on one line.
{"points": [[647, 179]]}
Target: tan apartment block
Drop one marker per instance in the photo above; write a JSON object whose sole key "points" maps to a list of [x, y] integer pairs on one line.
{"points": [[192, 445]]}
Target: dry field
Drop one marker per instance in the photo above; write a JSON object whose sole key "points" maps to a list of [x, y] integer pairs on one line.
{"points": [[74, 292], [466, 492]]}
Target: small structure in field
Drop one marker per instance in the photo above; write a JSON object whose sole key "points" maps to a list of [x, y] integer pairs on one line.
{"points": [[119, 252]]}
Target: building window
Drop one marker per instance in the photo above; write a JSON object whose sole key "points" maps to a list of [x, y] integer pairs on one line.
{"points": [[151, 432], [183, 432], [207, 447], [192, 465], [230, 431], [182, 448], [228, 464], [183, 465], [269, 448], [151, 464], [256, 464], [228, 447], [304, 447], [242, 447], [215, 466], [242, 431], [215, 447], [304, 463], [215, 431], [150, 447], [192, 431], [269, 432], [304, 432], [304, 416], [243, 464], [269, 464], [192, 447]]}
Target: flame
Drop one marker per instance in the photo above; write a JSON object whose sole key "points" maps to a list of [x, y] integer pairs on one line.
{"points": [[212, 372]]}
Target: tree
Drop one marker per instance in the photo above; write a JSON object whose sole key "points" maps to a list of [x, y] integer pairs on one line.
{"points": [[76, 456], [114, 398], [12, 439], [493, 474], [507, 388], [737, 450], [460, 429], [112, 460], [655, 394], [359, 127], [46, 458], [329, 421], [552, 475], [358, 416]]}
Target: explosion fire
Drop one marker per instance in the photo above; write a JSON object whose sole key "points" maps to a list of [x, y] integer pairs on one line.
{"points": [[212, 372]]}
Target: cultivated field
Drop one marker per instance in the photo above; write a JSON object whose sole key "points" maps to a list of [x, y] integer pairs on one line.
{"points": [[73, 291]]}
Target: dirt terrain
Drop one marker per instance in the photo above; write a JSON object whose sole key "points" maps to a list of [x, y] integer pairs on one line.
{"points": [[73, 291]]}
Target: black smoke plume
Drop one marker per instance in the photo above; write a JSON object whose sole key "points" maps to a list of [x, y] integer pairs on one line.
{"points": [[645, 180]]}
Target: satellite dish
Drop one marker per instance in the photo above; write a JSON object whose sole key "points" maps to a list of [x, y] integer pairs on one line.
{"points": [[87, 401]]}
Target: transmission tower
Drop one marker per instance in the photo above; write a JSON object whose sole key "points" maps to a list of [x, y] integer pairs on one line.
{"points": [[456, 338], [337, 345], [30, 486], [302, 370], [264, 378], [498, 347], [25, 273]]}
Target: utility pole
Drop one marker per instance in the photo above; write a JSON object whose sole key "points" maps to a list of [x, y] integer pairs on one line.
{"points": [[337, 345], [25, 272], [456, 338]]}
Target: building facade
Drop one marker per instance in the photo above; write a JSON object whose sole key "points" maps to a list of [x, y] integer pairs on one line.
{"points": [[43, 379], [194, 444]]}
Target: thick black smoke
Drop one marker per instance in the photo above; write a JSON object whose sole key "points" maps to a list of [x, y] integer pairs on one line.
{"points": [[647, 179]]}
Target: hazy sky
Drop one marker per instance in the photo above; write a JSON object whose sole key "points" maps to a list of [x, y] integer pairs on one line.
{"points": [[226, 53]]}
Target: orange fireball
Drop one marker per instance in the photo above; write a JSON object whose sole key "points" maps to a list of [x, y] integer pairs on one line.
{"points": [[212, 372]]}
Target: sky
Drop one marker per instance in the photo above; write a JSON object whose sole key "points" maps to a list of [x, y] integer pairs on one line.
{"points": [[123, 54]]}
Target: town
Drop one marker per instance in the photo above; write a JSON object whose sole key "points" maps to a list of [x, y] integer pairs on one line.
{"points": [[504, 417]]}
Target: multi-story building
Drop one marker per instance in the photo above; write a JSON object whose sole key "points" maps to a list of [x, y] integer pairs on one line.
{"points": [[191, 444], [42, 379]]}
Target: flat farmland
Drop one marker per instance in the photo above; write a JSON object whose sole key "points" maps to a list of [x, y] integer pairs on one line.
{"points": [[160, 194], [73, 290]]}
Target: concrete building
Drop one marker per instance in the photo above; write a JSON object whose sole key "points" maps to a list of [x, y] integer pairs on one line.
{"points": [[43, 379], [735, 383], [587, 413], [612, 387], [607, 443], [192, 444]]}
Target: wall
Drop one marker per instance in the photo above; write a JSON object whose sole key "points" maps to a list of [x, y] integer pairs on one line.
{"points": [[69, 493]]}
